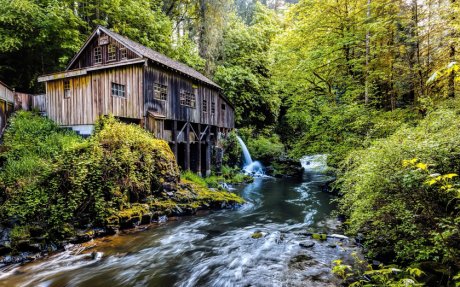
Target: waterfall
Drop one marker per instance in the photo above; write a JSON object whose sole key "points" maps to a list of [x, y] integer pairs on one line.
{"points": [[249, 166], [314, 163], [246, 154]]}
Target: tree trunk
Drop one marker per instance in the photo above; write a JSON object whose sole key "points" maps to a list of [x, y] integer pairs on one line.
{"points": [[452, 52], [368, 36]]}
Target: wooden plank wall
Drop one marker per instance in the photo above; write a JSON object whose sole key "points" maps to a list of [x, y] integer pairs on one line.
{"points": [[91, 96], [86, 58], [39, 103], [6, 94], [173, 110], [22, 101]]}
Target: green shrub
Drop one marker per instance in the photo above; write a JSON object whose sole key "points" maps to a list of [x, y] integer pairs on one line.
{"points": [[266, 148], [338, 130], [401, 217], [81, 182], [232, 150], [19, 233], [263, 145]]}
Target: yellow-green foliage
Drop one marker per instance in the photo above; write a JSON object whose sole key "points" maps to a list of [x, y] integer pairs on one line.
{"points": [[403, 214], [363, 274]]}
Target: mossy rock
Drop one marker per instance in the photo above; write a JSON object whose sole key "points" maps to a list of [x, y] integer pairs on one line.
{"points": [[319, 236], [257, 235]]}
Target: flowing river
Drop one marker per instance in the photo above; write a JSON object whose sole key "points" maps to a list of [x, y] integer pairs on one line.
{"points": [[214, 249]]}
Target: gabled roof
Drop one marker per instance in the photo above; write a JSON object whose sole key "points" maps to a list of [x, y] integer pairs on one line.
{"points": [[148, 53]]}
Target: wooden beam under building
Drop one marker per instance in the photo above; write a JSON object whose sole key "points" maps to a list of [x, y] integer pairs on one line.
{"points": [[187, 146]]}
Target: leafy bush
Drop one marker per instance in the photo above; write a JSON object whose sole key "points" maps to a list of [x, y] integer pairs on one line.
{"points": [[263, 145], [76, 181], [363, 274], [386, 196], [266, 148], [338, 129], [232, 150]]}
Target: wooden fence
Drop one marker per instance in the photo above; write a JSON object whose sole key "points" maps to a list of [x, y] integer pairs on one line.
{"points": [[11, 101]]}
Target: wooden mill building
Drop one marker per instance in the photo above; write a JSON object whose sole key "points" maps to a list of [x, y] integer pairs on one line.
{"points": [[112, 74]]}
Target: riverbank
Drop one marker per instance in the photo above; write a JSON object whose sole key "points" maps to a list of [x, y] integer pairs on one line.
{"points": [[212, 249], [58, 188]]}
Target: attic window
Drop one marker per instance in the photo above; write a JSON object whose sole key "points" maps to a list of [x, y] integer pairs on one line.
{"points": [[123, 53], [205, 106], [98, 55], [223, 107], [118, 90], [111, 53], [187, 99], [67, 89], [160, 92]]}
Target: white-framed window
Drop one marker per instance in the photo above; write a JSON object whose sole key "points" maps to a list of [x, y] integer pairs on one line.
{"points": [[187, 99], [118, 90], [67, 89], [160, 92], [97, 55], [204, 106], [111, 53], [123, 53]]}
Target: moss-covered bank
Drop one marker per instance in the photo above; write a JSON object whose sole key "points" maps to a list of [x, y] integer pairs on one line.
{"points": [[56, 186]]}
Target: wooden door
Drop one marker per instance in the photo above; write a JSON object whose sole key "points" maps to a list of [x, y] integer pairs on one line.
{"points": [[155, 126]]}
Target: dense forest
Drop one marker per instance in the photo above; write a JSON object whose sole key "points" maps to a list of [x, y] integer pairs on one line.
{"points": [[371, 83]]}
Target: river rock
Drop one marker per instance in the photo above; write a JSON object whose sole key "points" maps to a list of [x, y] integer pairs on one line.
{"points": [[96, 255], [285, 167], [258, 234], [319, 236], [338, 236], [307, 244]]}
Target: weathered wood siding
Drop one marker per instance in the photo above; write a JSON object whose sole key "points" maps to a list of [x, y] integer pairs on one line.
{"points": [[173, 110], [6, 105], [86, 58], [91, 96], [22, 101], [39, 103], [6, 94]]}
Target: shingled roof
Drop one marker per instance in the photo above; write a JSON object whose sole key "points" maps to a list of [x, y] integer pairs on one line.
{"points": [[156, 57]]}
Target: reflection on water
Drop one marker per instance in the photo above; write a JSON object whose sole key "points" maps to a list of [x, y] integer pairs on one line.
{"points": [[211, 250]]}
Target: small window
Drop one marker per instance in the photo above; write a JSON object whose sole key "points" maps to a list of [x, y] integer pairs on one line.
{"points": [[97, 55], [67, 89], [205, 106], [118, 90], [160, 92], [111, 53], [123, 53], [187, 99], [213, 107], [223, 107]]}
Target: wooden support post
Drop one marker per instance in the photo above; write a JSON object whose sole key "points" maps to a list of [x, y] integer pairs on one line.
{"points": [[187, 147], [199, 150], [208, 152], [174, 138]]}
